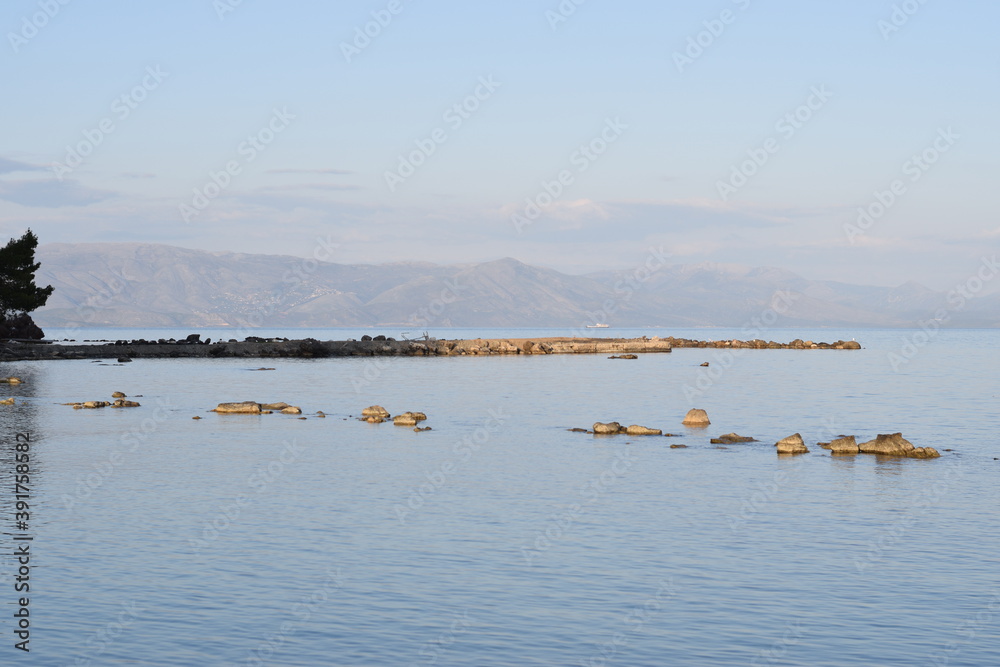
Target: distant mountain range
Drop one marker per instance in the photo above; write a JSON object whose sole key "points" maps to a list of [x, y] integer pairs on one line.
{"points": [[147, 285]]}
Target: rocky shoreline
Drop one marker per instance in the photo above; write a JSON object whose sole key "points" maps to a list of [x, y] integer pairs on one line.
{"points": [[379, 346]]}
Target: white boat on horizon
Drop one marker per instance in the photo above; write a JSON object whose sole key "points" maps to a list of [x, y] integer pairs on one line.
{"points": [[598, 325]]}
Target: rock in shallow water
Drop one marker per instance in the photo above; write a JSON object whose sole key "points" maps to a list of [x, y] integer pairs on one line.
{"points": [[243, 407], [793, 444], [696, 417], [731, 438], [609, 428], [845, 446], [635, 429]]}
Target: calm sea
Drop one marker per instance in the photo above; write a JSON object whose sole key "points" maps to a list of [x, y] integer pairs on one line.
{"points": [[498, 537]]}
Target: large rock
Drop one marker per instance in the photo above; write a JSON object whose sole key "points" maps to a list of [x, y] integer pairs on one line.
{"points": [[730, 439], [242, 408], [891, 444], [844, 446], [273, 406], [608, 428], [894, 444], [405, 419], [635, 429], [696, 417], [793, 444], [375, 411]]}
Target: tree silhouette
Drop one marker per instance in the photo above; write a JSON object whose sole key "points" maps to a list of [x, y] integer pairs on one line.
{"points": [[18, 292]]}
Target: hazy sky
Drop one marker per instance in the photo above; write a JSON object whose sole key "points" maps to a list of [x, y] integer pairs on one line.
{"points": [[728, 131]]}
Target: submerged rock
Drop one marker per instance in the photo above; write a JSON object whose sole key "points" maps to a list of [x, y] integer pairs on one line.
{"points": [[731, 438], [609, 428], [624, 356], [635, 429], [7, 401], [375, 411], [122, 403], [273, 406], [10, 380], [243, 408], [291, 410], [678, 446], [793, 444], [696, 417]]}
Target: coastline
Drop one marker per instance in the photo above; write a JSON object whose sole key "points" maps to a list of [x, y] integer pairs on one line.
{"points": [[382, 347]]}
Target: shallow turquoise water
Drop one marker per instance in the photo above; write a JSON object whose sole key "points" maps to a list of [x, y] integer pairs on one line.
{"points": [[499, 538]]}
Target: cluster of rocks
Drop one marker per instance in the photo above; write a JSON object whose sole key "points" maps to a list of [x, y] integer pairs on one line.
{"points": [[119, 402], [376, 414], [886, 445], [612, 428], [255, 408], [758, 344]]}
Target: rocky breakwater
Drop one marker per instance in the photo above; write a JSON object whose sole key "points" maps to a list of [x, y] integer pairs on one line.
{"points": [[380, 346], [758, 344]]}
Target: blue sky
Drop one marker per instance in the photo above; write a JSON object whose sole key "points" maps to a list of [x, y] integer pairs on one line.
{"points": [[162, 96]]}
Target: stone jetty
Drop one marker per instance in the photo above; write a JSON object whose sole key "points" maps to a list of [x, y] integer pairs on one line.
{"points": [[378, 346]]}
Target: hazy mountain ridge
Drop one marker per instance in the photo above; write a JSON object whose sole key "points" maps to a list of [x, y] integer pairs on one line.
{"points": [[131, 284]]}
